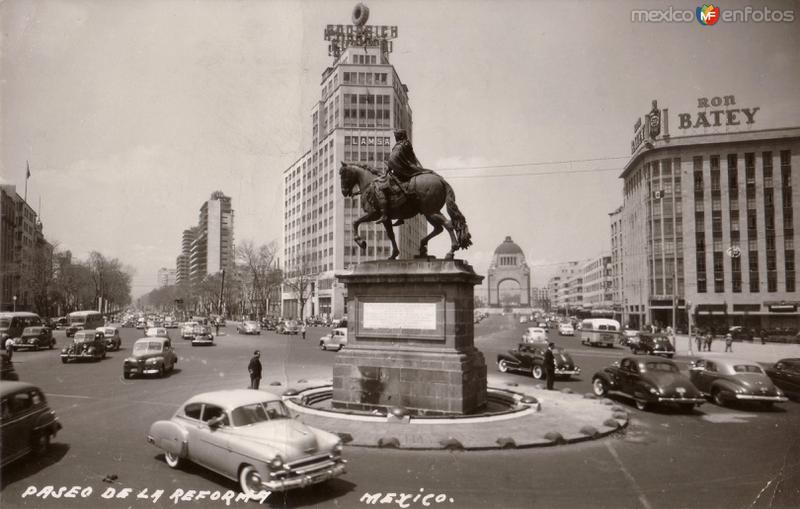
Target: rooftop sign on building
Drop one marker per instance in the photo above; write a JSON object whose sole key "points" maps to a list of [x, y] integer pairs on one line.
{"points": [[359, 34]]}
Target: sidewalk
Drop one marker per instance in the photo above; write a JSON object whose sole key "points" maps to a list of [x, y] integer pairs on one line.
{"points": [[754, 351]]}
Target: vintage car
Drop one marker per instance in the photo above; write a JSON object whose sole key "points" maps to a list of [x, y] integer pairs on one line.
{"points": [[535, 335], [7, 371], [35, 338], [726, 380], [566, 329], [201, 336], [86, 344], [288, 327], [187, 330], [786, 375], [336, 340], [647, 380], [113, 341], [653, 344], [27, 424], [150, 356], [529, 358], [141, 324], [629, 337], [156, 332], [248, 436], [170, 323], [248, 327]]}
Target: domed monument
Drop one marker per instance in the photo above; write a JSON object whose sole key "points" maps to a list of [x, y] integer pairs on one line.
{"points": [[509, 264]]}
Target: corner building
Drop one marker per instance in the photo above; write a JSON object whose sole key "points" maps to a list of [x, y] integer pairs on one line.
{"points": [[362, 101], [709, 227]]}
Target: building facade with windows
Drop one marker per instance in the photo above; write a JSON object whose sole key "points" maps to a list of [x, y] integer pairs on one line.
{"points": [[597, 288], [708, 224], [207, 248], [362, 101], [166, 277]]}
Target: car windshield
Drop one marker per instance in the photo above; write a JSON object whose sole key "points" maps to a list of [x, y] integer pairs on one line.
{"points": [[664, 367], [747, 368], [83, 338], [147, 347], [107, 332], [32, 330], [259, 412]]}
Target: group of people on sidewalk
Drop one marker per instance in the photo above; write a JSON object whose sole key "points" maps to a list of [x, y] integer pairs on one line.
{"points": [[704, 339]]}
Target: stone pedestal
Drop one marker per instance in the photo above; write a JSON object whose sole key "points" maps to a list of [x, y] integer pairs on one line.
{"points": [[410, 338]]}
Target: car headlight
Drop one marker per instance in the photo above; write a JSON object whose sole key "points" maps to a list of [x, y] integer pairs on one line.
{"points": [[130, 360], [778, 391], [337, 449], [276, 463], [653, 390]]}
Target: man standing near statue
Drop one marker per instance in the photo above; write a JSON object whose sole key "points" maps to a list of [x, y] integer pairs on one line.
{"points": [[403, 165]]}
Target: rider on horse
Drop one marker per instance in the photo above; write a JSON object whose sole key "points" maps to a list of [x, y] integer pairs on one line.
{"points": [[403, 165]]}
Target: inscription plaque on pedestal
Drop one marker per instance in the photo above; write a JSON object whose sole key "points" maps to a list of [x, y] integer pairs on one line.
{"points": [[398, 315]]}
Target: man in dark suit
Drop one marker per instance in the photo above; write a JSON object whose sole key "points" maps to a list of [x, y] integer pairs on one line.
{"points": [[550, 366], [255, 370]]}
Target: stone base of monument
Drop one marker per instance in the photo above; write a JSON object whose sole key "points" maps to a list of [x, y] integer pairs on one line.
{"points": [[410, 339]]}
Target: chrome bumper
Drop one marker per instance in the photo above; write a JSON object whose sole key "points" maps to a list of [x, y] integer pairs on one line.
{"points": [[306, 479], [696, 401], [752, 397], [560, 372]]}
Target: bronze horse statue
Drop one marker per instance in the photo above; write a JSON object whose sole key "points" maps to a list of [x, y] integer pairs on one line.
{"points": [[426, 194]]}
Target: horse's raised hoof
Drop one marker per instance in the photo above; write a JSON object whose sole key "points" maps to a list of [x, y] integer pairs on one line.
{"points": [[423, 251], [394, 256]]}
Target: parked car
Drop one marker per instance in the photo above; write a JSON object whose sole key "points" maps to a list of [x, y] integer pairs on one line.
{"points": [[653, 344], [113, 341], [288, 327], [336, 340], [529, 358], [726, 380], [201, 336], [566, 329], [786, 375], [7, 371], [187, 330], [86, 344], [535, 335], [150, 356], [629, 337], [265, 448], [35, 338], [27, 423], [647, 381], [248, 327]]}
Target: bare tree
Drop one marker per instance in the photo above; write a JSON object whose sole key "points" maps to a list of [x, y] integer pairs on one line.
{"points": [[299, 279], [259, 273]]}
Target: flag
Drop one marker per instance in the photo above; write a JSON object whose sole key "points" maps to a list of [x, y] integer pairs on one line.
{"points": [[28, 168]]}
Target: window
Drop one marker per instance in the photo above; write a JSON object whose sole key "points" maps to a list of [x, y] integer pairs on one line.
{"points": [[192, 410]]}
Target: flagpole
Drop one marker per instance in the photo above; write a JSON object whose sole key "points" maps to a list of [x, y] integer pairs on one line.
{"points": [[27, 176]]}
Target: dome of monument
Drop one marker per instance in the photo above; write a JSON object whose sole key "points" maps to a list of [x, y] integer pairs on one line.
{"points": [[508, 247]]}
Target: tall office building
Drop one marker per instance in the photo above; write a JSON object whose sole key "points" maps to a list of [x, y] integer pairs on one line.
{"points": [[166, 277], [208, 247], [362, 101], [708, 219]]}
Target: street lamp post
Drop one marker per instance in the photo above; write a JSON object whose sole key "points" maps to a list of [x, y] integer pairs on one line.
{"points": [[14, 298]]}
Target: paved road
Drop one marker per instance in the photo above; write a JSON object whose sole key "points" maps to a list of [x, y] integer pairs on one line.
{"points": [[717, 457]]}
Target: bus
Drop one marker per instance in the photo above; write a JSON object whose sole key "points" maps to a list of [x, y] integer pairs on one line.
{"points": [[80, 320], [13, 323], [599, 331]]}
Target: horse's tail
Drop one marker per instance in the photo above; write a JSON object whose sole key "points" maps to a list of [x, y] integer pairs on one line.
{"points": [[458, 219]]}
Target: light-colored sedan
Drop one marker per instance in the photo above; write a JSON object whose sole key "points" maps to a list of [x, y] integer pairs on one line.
{"points": [[157, 332], [535, 335], [113, 341], [248, 436], [248, 327], [565, 329], [187, 331], [336, 340]]}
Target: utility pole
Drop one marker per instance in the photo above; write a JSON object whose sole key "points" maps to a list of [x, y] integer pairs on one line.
{"points": [[221, 289]]}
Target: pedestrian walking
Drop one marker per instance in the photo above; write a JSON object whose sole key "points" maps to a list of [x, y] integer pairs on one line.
{"points": [[303, 330], [9, 346], [729, 343], [763, 335], [550, 366], [709, 340], [698, 338], [255, 370], [216, 327]]}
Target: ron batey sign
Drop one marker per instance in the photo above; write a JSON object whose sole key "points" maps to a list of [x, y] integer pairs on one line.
{"points": [[724, 114]]}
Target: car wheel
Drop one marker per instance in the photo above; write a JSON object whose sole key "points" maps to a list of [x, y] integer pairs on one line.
{"points": [[41, 444], [173, 460], [52, 344], [599, 387], [63, 360], [502, 366], [250, 481], [161, 371], [641, 405], [340, 347], [716, 395], [537, 372], [321, 345], [126, 375]]}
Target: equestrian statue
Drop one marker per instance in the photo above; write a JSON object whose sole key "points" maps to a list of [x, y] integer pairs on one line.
{"points": [[401, 192]]}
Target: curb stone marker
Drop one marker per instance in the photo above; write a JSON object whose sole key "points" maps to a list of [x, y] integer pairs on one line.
{"points": [[506, 443], [390, 442]]}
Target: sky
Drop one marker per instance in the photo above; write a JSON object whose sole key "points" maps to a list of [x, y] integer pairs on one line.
{"points": [[132, 112]]}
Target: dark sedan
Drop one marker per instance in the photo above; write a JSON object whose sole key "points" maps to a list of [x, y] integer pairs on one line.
{"points": [[647, 381], [786, 375], [727, 380], [529, 358], [653, 345], [87, 344], [35, 338]]}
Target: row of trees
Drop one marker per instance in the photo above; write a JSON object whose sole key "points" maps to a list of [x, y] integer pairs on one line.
{"points": [[58, 284], [250, 287]]}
